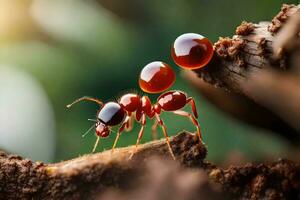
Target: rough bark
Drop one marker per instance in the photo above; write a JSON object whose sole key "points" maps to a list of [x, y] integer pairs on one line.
{"points": [[244, 109], [276, 180], [245, 65], [250, 51], [86, 176], [91, 176]]}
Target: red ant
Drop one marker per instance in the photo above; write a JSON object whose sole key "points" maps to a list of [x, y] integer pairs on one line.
{"points": [[122, 112], [190, 51]]}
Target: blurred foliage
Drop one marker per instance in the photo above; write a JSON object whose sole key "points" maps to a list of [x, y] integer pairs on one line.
{"points": [[97, 48]]}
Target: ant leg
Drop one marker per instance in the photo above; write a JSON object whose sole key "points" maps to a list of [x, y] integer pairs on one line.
{"points": [[85, 98], [129, 124], [141, 132], [193, 120], [96, 144], [121, 129], [191, 101], [154, 130], [164, 129]]}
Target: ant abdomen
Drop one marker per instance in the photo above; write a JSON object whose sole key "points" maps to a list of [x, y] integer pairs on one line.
{"points": [[156, 77], [172, 100]]}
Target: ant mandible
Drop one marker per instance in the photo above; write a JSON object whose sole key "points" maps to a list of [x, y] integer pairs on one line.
{"points": [[122, 112]]}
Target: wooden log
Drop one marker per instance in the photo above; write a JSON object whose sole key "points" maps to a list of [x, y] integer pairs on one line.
{"points": [[244, 67]]}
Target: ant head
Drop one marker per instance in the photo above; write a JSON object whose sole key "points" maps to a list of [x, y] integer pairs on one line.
{"points": [[102, 130]]}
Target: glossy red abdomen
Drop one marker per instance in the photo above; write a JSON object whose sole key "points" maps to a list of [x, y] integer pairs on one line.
{"points": [[192, 51], [172, 100], [156, 77], [130, 102]]}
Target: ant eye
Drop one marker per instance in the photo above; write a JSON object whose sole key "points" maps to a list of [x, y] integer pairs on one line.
{"points": [[192, 51], [156, 77]]}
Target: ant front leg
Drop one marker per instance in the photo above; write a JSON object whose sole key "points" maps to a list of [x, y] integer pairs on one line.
{"points": [[96, 144], [121, 129], [141, 132], [193, 120], [164, 129]]}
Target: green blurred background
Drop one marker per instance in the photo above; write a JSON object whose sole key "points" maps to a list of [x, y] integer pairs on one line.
{"points": [[54, 51]]}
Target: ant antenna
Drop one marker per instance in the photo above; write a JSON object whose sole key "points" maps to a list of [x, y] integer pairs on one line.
{"points": [[92, 120], [88, 130], [85, 98], [112, 130], [96, 144]]}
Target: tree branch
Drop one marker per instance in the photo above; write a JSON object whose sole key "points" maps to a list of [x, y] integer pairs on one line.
{"points": [[90, 176], [249, 52], [86, 176], [256, 49]]}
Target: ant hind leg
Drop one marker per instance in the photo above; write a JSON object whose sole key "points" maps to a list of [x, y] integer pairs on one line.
{"points": [[193, 120], [191, 101]]}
